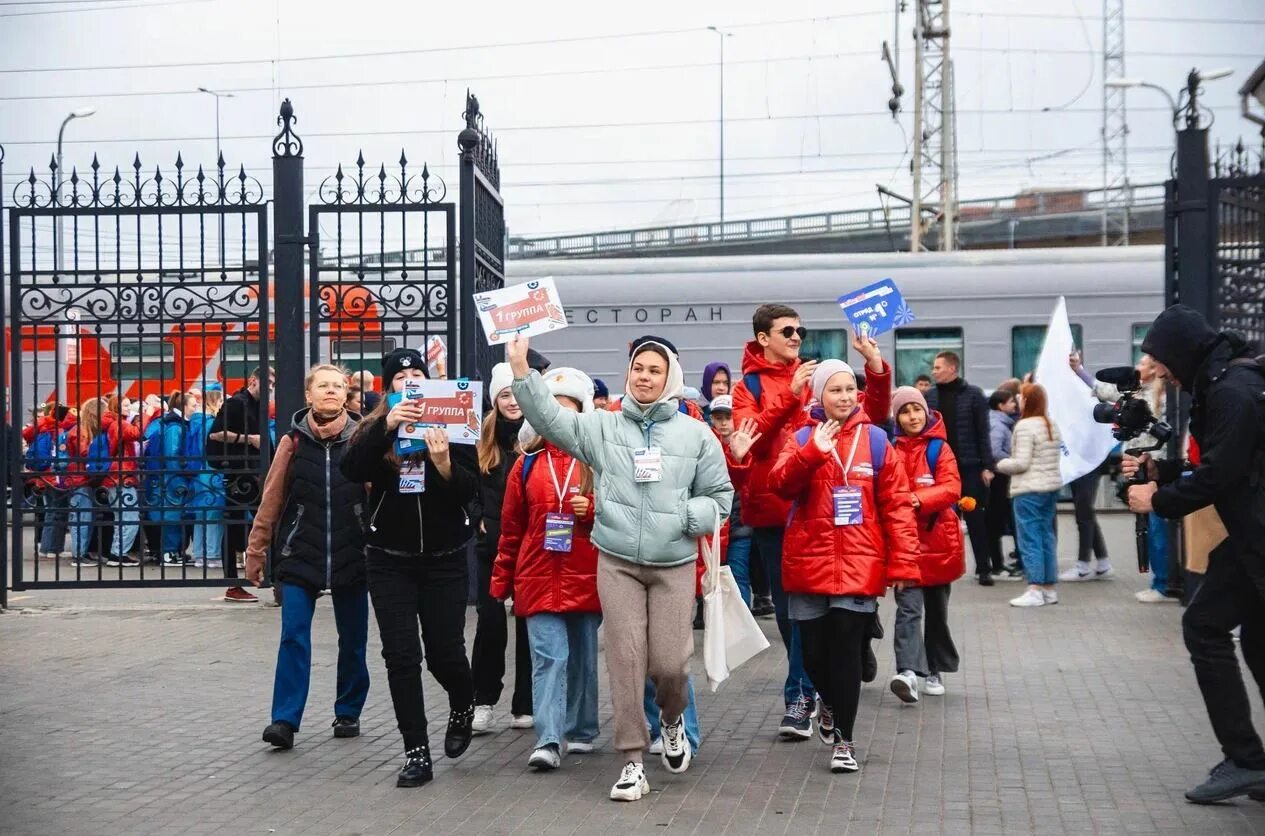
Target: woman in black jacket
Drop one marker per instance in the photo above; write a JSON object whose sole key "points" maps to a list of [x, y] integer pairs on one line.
{"points": [[416, 563], [498, 450]]}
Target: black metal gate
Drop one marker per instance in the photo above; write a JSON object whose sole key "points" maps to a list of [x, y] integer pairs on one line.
{"points": [[163, 290], [1237, 202]]}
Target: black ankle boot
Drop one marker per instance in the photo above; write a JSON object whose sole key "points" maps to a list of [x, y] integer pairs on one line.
{"points": [[457, 740], [417, 768]]}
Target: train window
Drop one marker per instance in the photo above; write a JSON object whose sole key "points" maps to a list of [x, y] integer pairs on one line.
{"points": [[916, 350], [1139, 334], [360, 354], [1025, 346], [143, 359], [825, 345], [241, 357]]}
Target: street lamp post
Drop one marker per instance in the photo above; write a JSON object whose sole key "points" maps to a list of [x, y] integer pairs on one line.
{"points": [[217, 96], [722, 36], [59, 256]]}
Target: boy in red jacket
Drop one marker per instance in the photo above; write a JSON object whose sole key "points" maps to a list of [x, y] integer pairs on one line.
{"points": [[547, 562], [777, 408], [924, 646], [851, 534]]}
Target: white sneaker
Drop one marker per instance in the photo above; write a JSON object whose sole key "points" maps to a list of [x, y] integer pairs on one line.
{"points": [[545, 758], [905, 686], [1151, 596], [1104, 569], [1050, 596], [632, 783], [1031, 598], [656, 746], [522, 721], [843, 757], [579, 747], [482, 723], [934, 686], [1079, 572], [676, 747]]}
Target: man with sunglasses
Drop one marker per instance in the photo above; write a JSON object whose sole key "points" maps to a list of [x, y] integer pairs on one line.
{"points": [[774, 392]]}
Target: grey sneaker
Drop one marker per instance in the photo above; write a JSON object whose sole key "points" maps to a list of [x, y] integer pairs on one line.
{"points": [[1227, 780]]}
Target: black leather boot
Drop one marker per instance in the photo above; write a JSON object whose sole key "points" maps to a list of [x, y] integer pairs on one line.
{"points": [[417, 768], [457, 740]]}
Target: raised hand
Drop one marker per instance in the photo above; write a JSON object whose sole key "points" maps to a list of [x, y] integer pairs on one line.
{"points": [[802, 375], [404, 412], [516, 355], [868, 348], [744, 438], [825, 434]]}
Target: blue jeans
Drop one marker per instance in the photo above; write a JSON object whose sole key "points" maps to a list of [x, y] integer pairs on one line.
{"points": [[51, 514], [767, 544], [208, 515], [1157, 549], [294, 656], [81, 506], [738, 558], [125, 503], [564, 676], [692, 732], [1034, 529], [176, 492]]}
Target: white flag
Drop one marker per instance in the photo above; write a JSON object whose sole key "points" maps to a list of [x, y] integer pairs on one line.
{"points": [[1086, 443]]}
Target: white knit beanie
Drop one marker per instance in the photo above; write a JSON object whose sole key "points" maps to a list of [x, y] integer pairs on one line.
{"points": [[502, 379], [825, 370]]}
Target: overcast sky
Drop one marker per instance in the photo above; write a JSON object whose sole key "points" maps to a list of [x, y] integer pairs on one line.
{"points": [[608, 119]]}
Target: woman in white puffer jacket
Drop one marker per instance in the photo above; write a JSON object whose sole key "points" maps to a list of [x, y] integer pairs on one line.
{"points": [[1035, 482]]}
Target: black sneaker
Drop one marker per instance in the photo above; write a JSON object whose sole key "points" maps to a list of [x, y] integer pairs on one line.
{"points": [[417, 769], [825, 723], [797, 724], [1227, 780], [460, 729], [346, 727], [280, 735], [986, 580]]}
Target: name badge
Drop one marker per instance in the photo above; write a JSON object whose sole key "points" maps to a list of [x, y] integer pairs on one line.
{"points": [[412, 476], [925, 481], [648, 464], [559, 531], [847, 506]]}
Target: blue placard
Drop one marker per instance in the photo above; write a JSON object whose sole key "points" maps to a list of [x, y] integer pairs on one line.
{"points": [[876, 309]]}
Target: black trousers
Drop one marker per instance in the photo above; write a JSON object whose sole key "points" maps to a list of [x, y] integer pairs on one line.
{"points": [[999, 517], [430, 590], [1232, 595], [833, 646], [1089, 534], [977, 520], [487, 657]]}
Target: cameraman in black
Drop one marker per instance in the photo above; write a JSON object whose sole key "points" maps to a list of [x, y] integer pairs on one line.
{"points": [[1227, 420]]}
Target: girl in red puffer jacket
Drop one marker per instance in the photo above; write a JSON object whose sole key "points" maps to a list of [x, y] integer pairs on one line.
{"points": [[924, 646], [546, 561], [851, 534]]}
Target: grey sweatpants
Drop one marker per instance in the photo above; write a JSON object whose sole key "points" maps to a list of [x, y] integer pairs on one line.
{"points": [[647, 617], [921, 635]]}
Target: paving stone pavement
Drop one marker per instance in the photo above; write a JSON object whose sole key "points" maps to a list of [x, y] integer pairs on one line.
{"points": [[139, 712]]}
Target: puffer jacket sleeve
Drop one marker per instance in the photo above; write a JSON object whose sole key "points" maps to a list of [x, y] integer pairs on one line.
{"points": [[795, 468], [711, 489], [513, 524], [877, 398], [580, 434], [900, 527], [1021, 451], [947, 489], [983, 427], [363, 459]]}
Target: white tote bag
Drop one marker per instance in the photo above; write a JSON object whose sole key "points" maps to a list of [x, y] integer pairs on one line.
{"points": [[731, 635]]}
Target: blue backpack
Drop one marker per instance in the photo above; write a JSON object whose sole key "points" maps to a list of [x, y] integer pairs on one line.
{"points": [[97, 459], [47, 452], [752, 381]]}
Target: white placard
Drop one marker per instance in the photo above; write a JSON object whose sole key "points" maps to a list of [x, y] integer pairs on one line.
{"points": [[451, 405], [529, 309]]}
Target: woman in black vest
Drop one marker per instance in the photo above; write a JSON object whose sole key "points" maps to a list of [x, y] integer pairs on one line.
{"points": [[314, 516], [498, 450], [416, 563]]}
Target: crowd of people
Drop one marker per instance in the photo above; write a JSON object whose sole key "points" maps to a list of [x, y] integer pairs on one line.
{"points": [[825, 484]]}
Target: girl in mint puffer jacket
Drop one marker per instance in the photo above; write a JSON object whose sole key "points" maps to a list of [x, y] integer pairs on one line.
{"points": [[659, 480]]}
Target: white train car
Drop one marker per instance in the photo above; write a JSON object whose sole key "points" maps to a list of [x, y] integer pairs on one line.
{"points": [[990, 306]]}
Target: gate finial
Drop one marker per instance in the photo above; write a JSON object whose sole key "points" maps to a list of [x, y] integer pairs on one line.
{"points": [[287, 143]]}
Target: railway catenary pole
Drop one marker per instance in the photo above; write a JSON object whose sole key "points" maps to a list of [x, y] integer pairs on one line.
{"points": [[288, 212], [722, 35]]}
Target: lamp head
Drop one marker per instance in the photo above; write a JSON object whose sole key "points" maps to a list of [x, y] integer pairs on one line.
{"points": [[1213, 75], [83, 112]]}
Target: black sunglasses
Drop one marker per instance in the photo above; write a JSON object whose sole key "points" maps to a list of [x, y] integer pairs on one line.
{"points": [[789, 331]]}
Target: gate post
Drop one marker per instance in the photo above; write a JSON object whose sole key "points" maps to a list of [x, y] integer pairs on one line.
{"points": [[482, 229], [1194, 222], [8, 430], [289, 245], [468, 320]]}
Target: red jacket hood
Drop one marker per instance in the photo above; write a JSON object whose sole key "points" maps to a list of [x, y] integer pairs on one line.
{"points": [[934, 429], [753, 360]]}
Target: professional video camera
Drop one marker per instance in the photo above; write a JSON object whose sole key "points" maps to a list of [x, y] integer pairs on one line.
{"points": [[1130, 418]]}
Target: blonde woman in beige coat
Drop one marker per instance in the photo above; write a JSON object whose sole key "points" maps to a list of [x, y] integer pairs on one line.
{"points": [[1035, 481]]}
